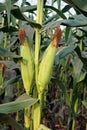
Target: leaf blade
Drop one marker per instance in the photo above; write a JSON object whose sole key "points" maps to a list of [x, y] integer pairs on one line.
{"points": [[19, 104]]}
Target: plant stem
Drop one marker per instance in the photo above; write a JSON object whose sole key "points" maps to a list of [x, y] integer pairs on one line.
{"points": [[27, 119], [37, 106], [38, 36], [38, 111], [73, 124], [75, 109], [59, 4]]}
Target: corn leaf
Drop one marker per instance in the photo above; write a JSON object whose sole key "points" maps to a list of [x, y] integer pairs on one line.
{"points": [[84, 103], [10, 121], [82, 5], [8, 9], [43, 127], [11, 81], [19, 104], [2, 7]]}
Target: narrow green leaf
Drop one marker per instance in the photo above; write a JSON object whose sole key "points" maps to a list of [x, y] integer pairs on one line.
{"points": [[66, 8], [16, 12], [22, 102], [10, 64], [84, 103], [2, 7], [11, 81], [67, 32], [81, 76], [64, 90], [84, 60], [64, 51], [81, 4], [10, 121], [77, 67], [8, 8], [14, 1], [8, 29], [43, 127], [30, 8], [1, 37], [74, 23], [51, 25], [5, 52], [57, 11]]}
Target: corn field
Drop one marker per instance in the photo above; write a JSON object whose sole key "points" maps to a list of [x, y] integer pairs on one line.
{"points": [[43, 65]]}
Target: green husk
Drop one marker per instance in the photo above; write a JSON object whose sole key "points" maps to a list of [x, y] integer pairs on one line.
{"points": [[27, 64], [46, 64]]}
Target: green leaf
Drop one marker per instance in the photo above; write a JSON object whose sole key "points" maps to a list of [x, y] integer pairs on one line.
{"points": [[22, 102], [10, 64], [8, 29], [2, 7], [43, 127], [13, 1], [64, 90], [67, 33], [84, 103], [57, 11], [8, 8], [77, 67], [51, 25], [66, 8], [1, 37], [81, 4], [5, 52], [84, 60], [16, 12], [74, 23], [28, 8], [10, 121], [11, 81], [81, 76], [64, 51]]}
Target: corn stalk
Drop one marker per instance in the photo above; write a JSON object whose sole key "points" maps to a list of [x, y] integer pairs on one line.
{"points": [[37, 106]]}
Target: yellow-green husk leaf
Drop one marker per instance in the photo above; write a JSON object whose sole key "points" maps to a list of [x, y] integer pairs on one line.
{"points": [[27, 64], [45, 68], [47, 62]]}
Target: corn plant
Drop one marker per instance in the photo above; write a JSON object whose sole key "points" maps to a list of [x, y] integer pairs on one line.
{"points": [[45, 64]]}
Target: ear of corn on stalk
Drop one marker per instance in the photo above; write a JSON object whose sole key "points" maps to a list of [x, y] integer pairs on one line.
{"points": [[46, 64], [27, 64]]}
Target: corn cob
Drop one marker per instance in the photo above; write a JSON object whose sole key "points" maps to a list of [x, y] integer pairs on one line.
{"points": [[27, 64], [46, 64]]}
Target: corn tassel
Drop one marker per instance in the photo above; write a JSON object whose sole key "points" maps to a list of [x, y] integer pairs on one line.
{"points": [[46, 64], [27, 64]]}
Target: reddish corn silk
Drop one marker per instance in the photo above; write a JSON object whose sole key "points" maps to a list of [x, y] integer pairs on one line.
{"points": [[21, 36], [56, 37]]}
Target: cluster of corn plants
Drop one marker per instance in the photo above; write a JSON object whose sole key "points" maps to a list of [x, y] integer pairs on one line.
{"points": [[65, 61]]}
